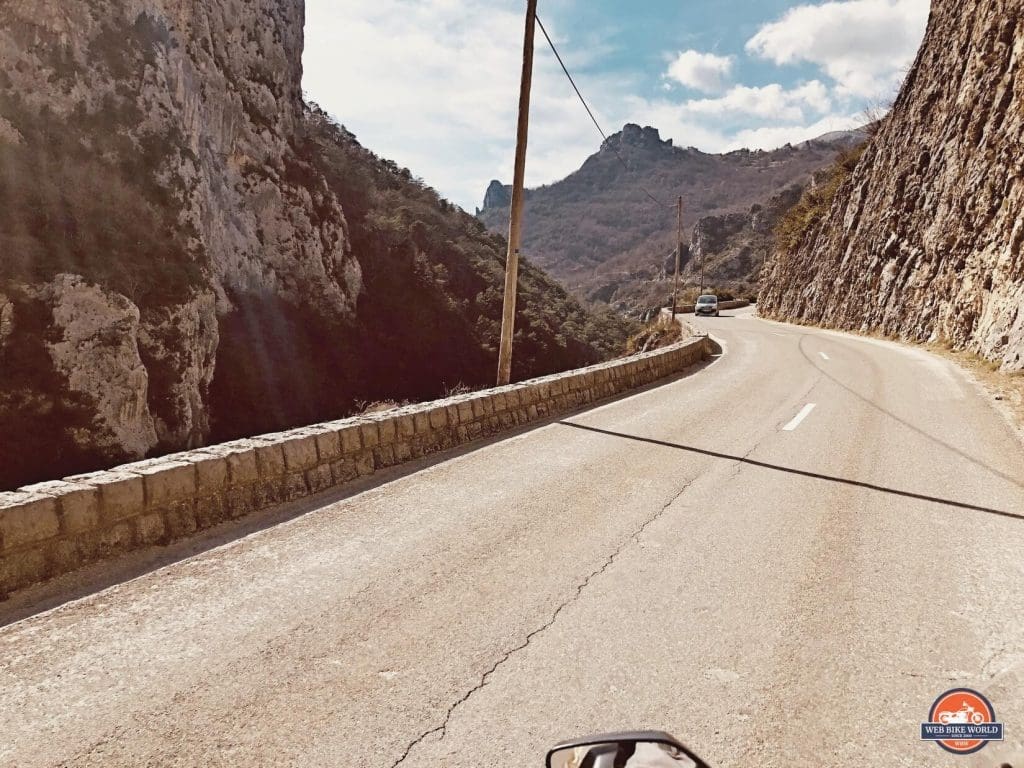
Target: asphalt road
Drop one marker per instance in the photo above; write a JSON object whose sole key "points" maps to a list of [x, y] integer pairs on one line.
{"points": [[774, 583]]}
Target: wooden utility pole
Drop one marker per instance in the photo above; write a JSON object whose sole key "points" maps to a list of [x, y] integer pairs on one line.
{"points": [[508, 315], [679, 255], [702, 271]]}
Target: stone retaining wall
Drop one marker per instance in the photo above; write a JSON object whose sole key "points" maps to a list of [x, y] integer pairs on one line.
{"points": [[56, 527]]}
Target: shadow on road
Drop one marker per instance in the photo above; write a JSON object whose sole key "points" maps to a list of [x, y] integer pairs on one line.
{"points": [[904, 422], [800, 472]]}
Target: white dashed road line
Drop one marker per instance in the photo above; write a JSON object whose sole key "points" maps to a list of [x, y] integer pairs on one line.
{"points": [[804, 413]]}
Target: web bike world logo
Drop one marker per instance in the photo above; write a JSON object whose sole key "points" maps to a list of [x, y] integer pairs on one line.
{"points": [[962, 721]]}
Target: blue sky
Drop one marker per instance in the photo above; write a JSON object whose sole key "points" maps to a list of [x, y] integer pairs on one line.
{"points": [[433, 84]]}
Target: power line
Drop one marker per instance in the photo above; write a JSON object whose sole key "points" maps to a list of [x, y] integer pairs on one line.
{"points": [[589, 112]]}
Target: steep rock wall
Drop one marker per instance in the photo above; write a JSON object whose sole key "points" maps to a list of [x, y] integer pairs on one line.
{"points": [[923, 241], [188, 110], [190, 252]]}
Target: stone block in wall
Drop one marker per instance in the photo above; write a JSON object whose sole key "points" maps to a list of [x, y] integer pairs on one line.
{"points": [[351, 442], [328, 444], [293, 486], [240, 456], [403, 451], [364, 463], [421, 419], [319, 478], [438, 417], [117, 538], [405, 426], [452, 413], [386, 430], [27, 518], [212, 474], [121, 494], [269, 457], [370, 434], [19, 569], [211, 510], [266, 493], [180, 519], [150, 529], [299, 449], [167, 484], [241, 500], [78, 504], [64, 554], [384, 455], [344, 470]]}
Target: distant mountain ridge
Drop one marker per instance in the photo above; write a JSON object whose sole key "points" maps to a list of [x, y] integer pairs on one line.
{"points": [[599, 234]]}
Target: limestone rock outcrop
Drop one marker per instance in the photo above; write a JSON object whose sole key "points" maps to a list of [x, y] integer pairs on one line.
{"points": [[191, 252], [184, 116], [498, 195], [924, 240], [732, 246], [95, 347]]}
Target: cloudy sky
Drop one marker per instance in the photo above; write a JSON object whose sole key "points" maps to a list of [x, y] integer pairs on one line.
{"points": [[433, 84]]}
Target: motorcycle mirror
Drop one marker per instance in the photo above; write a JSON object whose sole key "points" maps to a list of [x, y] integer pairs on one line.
{"points": [[633, 749]]}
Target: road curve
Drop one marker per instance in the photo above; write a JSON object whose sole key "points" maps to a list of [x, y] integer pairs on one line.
{"points": [[783, 558]]}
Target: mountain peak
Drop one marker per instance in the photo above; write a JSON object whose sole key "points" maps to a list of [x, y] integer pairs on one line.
{"points": [[498, 195], [632, 135]]}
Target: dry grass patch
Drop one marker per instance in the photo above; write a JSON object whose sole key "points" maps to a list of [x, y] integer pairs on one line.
{"points": [[654, 336]]}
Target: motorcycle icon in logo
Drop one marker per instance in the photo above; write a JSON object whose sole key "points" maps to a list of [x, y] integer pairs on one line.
{"points": [[962, 721], [966, 714]]}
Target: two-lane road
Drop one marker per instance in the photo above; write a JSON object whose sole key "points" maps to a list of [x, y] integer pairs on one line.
{"points": [[782, 558]]}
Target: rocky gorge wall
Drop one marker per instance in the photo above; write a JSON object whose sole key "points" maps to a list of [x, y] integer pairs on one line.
{"points": [[190, 253], [923, 241], [167, 116]]}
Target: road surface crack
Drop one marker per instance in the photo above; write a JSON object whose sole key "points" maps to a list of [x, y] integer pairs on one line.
{"points": [[633, 538]]}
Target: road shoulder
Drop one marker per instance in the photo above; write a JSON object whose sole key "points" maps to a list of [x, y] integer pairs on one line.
{"points": [[1004, 391]]}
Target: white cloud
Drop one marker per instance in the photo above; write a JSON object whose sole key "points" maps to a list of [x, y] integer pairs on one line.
{"points": [[704, 71], [772, 136], [688, 129], [434, 86], [865, 46], [772, 102]]}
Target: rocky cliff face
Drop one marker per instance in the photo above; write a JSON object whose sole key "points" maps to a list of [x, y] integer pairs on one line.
{"points": [[171, 124], [731, 247], [175, 261], [498, 195], [923, 240]]}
